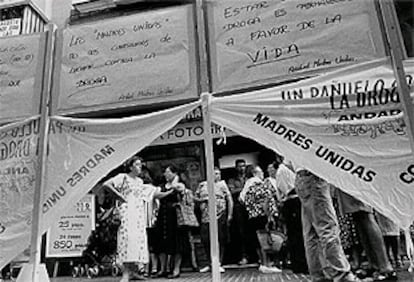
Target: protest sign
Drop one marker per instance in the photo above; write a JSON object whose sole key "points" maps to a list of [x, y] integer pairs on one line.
{"points": [[68, 237], [18, 159], [80, 153], [254, 42], [21, 58], [346, 126], [139, 59]]}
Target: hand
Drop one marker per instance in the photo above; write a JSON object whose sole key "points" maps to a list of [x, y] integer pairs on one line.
{"points": [[229, 218]]}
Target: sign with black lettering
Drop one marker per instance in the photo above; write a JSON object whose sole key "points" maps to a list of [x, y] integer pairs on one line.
{"points": [[255, 42], [10, 27], [21, 65], [69, 235], [347, 127], [139, 59]]}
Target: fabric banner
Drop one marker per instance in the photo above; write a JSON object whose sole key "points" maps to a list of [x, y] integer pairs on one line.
{"points": [[346, 126], [18, 159], [80, 153]]}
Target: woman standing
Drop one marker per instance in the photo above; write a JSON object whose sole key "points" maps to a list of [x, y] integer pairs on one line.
{"points": [[261, 207], [172, 241], [132, 242]]}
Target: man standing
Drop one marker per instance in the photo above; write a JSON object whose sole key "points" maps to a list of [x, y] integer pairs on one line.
{"points": [[224, 208], [324, 254], [239, 222]]}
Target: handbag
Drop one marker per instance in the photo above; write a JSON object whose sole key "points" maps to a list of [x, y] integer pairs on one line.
{"points": [[185, 211], [270, 240]]}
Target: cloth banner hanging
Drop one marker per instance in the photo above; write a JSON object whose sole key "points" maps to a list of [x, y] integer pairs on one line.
{"points": [[18, 162], [346, 126], [80, 153]]}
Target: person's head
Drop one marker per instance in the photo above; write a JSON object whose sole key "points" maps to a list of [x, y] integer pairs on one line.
{"points": [[240, 165], [272, 169], [254, 171], [170, 172], [134, 165], [217, 174]]}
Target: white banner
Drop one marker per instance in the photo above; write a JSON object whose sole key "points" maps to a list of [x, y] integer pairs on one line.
{"points": [[81, 152], [18, 161], [346, 126]]}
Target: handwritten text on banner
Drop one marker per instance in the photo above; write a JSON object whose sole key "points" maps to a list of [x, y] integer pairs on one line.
{"points": [[255, 41], [20, 61], [137, 59]]}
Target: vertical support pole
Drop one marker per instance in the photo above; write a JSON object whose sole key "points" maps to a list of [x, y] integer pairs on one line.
{"points": [[34, 271], [208, 144], [397, 56]]}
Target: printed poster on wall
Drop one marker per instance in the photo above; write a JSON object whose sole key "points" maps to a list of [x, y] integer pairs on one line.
{"points": [[260, 42], [68, 236], [138, 59], [346, 127], [21, 65], [10, 27]]}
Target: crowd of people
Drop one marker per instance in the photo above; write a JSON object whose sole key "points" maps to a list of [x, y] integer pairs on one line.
{"points": [[326, 231]]}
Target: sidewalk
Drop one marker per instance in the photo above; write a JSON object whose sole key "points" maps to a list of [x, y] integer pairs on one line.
{"points": [[231, 275]]}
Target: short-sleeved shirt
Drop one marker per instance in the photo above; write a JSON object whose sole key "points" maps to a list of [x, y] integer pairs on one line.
{"points": [[259, 192], [221, 193]]}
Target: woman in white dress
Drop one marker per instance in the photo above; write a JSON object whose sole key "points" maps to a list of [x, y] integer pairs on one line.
{"points": [[132, 242]]}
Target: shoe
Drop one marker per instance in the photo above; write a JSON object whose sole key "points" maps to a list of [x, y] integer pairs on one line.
{"points": [[348, 277], [243, 261], [173, 276], [205, 269], [267, 270], [390, 276], [274, 269], [222, 270], [161, 274]]}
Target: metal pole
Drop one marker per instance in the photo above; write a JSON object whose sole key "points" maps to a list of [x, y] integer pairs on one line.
{"points": [[34, 271], [397, 56], [208, 144]]}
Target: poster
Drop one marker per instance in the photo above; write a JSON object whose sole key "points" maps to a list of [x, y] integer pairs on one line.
{"points": [[68, 236], [138, 59], [10, 27], [21, 58], [255, 42]]}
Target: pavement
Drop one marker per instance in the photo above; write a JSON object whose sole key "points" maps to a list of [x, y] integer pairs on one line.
{"points": [[231, 275]]}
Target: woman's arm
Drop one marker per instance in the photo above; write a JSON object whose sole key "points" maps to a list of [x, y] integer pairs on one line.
{"points": [[160, 195]]}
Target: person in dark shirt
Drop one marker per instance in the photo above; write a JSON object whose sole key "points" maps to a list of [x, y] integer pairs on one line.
{"points": [[238, 225]]}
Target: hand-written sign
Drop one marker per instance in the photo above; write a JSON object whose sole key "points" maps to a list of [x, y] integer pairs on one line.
{"points": [[69, 236], [20, 61], [138, 59], [256, 42]]}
